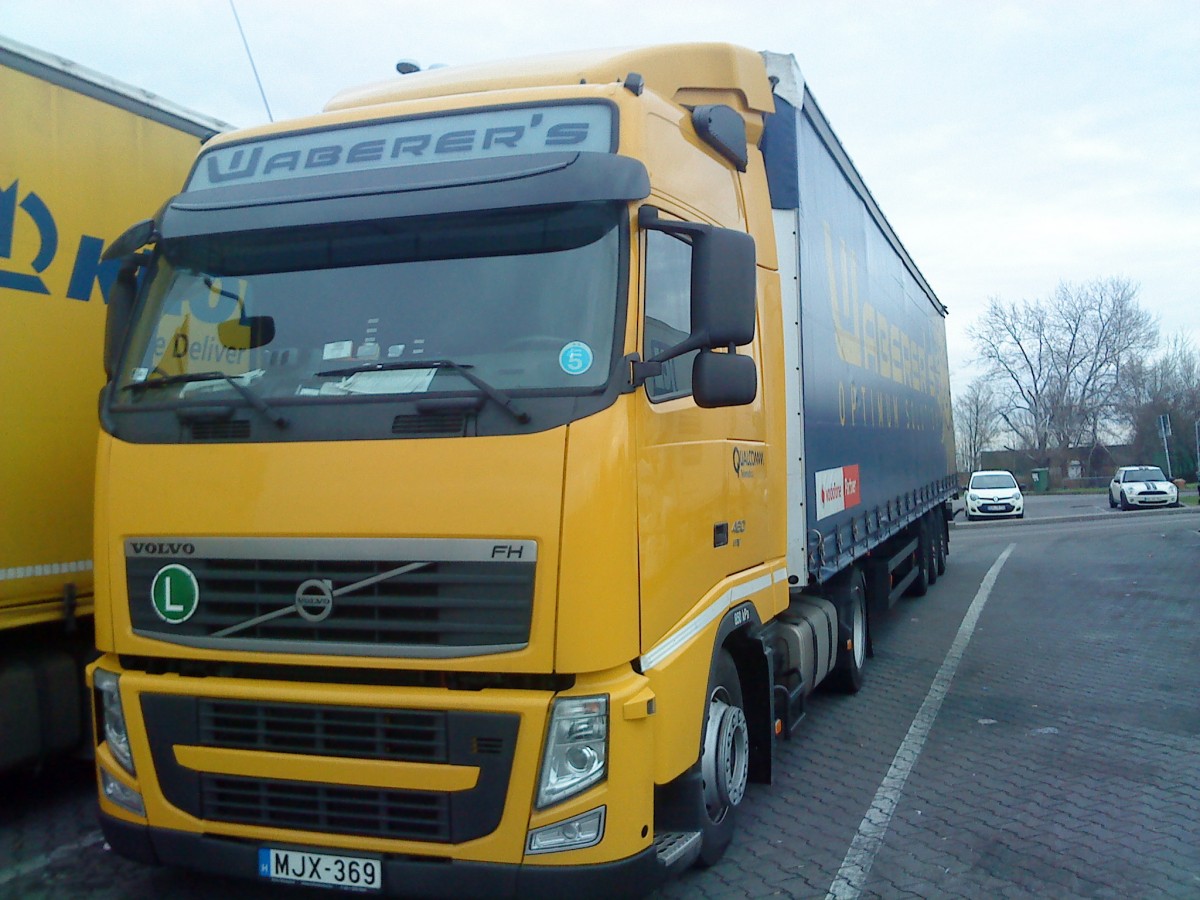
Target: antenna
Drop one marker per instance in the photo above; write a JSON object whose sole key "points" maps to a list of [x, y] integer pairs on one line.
{"points": [[250, 56]]}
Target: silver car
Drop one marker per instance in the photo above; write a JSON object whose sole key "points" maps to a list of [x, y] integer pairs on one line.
{"points": [[1141, 486]]}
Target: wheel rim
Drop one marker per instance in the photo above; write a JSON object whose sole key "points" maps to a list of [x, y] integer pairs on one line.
{"points": [[860, 633], [725, 764]]}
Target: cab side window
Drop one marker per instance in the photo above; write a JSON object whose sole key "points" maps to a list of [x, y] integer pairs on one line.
{"points": [[668, 312]]}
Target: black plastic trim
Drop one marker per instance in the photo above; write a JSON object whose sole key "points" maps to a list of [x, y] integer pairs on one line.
{"points": [[545, 179], [409, 876]]}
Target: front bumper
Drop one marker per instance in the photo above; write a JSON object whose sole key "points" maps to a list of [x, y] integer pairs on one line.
{"points": [[1152, 500], [402, 876], [430, 780], [995, 509]]}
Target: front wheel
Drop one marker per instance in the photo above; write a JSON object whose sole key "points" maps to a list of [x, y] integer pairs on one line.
{"points": [[724, 758], [850, 600], [1125, 505]]}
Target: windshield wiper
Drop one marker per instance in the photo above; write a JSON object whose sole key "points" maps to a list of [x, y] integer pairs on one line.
{"points": [[188, 377], [494, 394]]}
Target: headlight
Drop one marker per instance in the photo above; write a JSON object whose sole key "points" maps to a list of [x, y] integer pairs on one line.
{"points": [[974, 498], [576, 754], [112, 717]]}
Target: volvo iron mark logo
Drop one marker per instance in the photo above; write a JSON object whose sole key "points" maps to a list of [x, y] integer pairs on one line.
{"points": [[314, 599]]}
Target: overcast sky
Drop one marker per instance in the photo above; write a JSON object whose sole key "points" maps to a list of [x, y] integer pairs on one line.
{"points": [[1012, 145]]}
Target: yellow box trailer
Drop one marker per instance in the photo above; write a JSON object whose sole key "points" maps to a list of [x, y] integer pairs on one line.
{"points": [[81, 155], [492, 467]]}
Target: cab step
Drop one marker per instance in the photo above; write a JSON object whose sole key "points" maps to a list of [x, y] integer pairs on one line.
{"points": [[677, 849]]}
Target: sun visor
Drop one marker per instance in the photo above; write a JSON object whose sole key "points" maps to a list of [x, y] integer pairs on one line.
{"points": [[508, 182]]}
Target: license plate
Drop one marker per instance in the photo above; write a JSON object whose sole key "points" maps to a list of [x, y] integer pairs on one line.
{"points": [[355, 873], [992, 508]]}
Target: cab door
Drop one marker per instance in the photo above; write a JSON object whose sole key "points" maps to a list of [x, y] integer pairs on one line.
{"points": [[702, 498]]}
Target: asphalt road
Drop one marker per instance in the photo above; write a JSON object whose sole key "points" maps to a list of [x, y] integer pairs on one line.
{"points": [[1027, 729]]}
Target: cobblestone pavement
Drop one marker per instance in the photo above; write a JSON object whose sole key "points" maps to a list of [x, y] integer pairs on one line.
{"points": [[1052, 751]]}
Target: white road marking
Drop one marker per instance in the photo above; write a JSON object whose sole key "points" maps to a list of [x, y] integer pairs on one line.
{"points": [[12, 873], [852, 876]]}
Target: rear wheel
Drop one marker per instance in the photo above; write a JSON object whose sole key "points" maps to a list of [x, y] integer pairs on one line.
{"points": [[724, 758], [920, 585], [940, 544], [935, 542], [850, 598]]}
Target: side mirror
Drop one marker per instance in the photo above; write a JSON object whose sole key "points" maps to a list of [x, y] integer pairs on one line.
{"points": [[723, 304], [121, 297], [134, 239], [723, 287], [723, 379]]}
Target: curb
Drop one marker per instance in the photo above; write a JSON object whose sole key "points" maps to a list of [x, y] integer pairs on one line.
{"points": [[1077, 517]]}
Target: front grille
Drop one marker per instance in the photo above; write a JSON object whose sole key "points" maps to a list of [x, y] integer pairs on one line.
{"points": [[486, 741], [406, 605]]}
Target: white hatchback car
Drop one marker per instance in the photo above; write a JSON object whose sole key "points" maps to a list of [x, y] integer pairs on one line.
{"points": [[993, 494], [1141, 486]]}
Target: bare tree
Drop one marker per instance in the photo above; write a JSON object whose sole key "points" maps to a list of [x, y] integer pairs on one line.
{"points": [[1168, 384], [1060, 360], [976, 423]]}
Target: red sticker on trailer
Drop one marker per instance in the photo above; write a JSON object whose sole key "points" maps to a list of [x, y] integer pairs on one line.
{"points": [[837, 490]]}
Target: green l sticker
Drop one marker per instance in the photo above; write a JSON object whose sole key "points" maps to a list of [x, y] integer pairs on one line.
{"points": [[175, 593]]}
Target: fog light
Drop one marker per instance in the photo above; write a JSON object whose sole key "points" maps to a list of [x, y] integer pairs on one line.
{"points": [[121, 794], [581, 831]]}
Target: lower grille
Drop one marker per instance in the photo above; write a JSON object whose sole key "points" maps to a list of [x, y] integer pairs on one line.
{"points": [[354, 732], [402, 815], [486, 741]]}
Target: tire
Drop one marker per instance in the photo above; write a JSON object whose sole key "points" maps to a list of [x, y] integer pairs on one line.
{"points": [[941, 546], [724, 759], [920, 586], [1125, 505], [1112, 504], [935, 541], [850, 598]]}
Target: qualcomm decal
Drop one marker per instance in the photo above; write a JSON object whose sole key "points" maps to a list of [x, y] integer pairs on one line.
{"points": [[28, 210], [837, 489]]}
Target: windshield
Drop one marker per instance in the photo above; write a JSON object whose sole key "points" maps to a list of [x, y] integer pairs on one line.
{"points": [[521, 300], [1150, 473], [994, 481]]}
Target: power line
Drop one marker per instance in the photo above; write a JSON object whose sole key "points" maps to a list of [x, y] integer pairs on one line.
{"points": [[250, 56]]}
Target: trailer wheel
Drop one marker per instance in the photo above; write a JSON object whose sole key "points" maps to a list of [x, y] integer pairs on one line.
{"points": [[724, 758], [941, 546], [850, 598], [934, 542], [924, 556]]}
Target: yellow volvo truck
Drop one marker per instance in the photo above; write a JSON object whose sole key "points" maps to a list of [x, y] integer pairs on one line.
{"points": [[81, 156], [492, 465]]}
